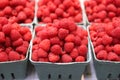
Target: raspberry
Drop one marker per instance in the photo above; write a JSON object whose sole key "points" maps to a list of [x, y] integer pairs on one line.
{"points": [[24, 30], [15, 35], [77, 41], [66, 58], [43, 59], [78, 18], [56, 49], [68, 47], [54, 40], [52, 31], [22, 57], [27, 36], [102, 55], [6, 29], [111, 7], [51, 6], [84, 41], [113, 57], [3, 20], [42, 53], [72, 26], [53, 57], [70, 38], [116, 49], [22, 49], [102, 14], [115, 32], [67, 3], [47, 20], [109, 48], [82, 50], [74, 53], [117, 2], [13, 55], [53, 16], [18, 42], [35, 47], [21, 16], [111, 14], [59, 12], [19, 8], [8, 49], [35, 56], [45, 44], [3, 3], [3, 57], [99, 48], [57, 2], [28, 12], [2, 37], [7, 42], [71, 11], [45, 11], [62, 33], [66, 15], [80, 59], [36, 40], [7, 10], [106, 40]]}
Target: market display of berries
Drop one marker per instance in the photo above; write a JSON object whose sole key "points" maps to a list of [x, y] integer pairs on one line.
{"points": [[14, 42], [106, 40], [52, 10], [20, 11], [62, 41], [102, 10]]}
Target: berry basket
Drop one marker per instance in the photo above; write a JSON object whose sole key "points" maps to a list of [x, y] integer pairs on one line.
{"points": [[60, 71], [14, 69], [38, 20], [105, 70]]}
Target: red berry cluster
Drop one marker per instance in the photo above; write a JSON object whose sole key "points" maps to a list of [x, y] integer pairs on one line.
{"points": [[102, 10], [20, 11], [52, 10], [14, 42], [62, 41], [106, 40]]}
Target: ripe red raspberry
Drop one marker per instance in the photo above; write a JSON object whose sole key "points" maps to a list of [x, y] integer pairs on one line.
{"points": [[3, 3], [6, 29], [45, 44], [74, 53], [116, 49], [109, 48], [52, 31], [3, 57], [24, 30], [112, 56], [15, 35], [57, 2], [67, 3], [21, 16], [102, 15], [2, 37], [62, 33], [72, 26], [19, 8], [27, 36], [115, 32], [59, 12], [3, 20], [68, 47], [7, 42], [111, 7], [53, 57], [66, 58], [82, 50], [102, 55], [56, 49], [13, 56], [54, 40], [106, 40], [77, 41], [42, 53], [111, 14], [47, 20], [78, 18], [80, 59], [70, 38], [18, 42], [35, 55], [51, 6], [71, 11], [99, 48], [36, 40], [53, 16], [22, 57], [35, 47], [22, 49], [7, 10]]}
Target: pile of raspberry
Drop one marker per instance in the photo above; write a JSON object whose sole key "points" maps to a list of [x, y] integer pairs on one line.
{"points": [[52, 10], [102, 10], [106, 40], [60, 42], [20, 11], [14, 42]]}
